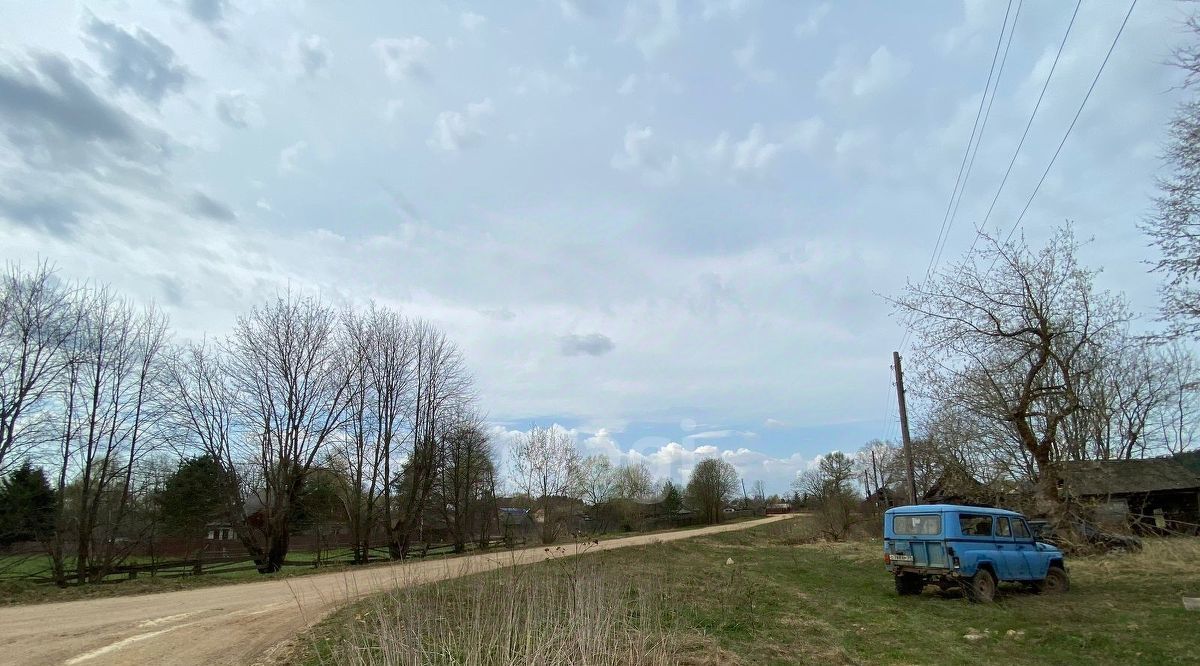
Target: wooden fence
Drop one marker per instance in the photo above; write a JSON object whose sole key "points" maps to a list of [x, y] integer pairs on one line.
{"points": [[206, 564]]}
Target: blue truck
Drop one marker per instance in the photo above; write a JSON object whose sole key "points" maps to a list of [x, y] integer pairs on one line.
{"points": [[971, 547]]}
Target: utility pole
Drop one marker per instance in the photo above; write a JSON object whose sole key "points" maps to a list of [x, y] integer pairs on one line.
{"points": [[908, 459]]}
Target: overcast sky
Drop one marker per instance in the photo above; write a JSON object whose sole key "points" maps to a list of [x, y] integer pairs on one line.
{"points": [[665, 226]]}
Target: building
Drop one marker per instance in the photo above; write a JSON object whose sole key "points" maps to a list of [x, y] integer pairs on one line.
{"points": [[1152, 494]]}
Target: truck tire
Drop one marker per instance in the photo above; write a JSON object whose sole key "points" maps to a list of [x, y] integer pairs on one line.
{"points": [[909, 583], [1055, 582], [980, 588]]}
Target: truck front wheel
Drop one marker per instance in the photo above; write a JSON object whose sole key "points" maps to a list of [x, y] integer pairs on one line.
{"points": [[980, 588], [1055, 582], [909, 583]]}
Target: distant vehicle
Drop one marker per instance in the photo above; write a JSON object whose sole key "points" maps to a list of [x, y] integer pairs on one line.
{"points": [[971, 547]]}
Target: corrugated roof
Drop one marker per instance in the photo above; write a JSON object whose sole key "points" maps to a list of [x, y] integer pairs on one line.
{"points": [[1124, 477]]}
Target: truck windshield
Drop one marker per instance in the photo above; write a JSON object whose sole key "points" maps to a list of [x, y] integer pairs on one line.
{"points": [[924, 524]]}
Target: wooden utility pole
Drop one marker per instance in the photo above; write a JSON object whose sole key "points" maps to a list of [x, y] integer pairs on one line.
{"points": [[908, 459]]}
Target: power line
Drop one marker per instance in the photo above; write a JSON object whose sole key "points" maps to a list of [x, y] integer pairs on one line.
{"points": [[986, 114], [1021, 143], [943, 232], [1073, 120], [967, 152]]}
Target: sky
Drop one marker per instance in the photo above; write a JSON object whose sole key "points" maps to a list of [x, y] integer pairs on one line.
{"points": [[668, 227]]}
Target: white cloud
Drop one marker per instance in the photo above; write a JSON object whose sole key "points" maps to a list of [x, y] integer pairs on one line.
{"points": [[746, 57], [642, 153], [575, 60], [650, 82], [310, 55], [289, 156], [403, 57], [812, 22], [755, 154], [774, 424], [977, 16], [722, 434], [848, 79], [651, 29], [629, 85], [472, 21], [719, 8], [454, 130], [805, 134], [236, 109]]}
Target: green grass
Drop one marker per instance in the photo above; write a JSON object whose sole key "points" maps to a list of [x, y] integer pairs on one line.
{"points": [[784, 601], [15, 590]]}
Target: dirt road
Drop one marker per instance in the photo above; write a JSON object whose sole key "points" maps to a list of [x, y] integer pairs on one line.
{"points": [[234, 624]]}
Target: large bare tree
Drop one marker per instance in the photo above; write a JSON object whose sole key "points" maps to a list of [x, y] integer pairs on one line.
{"points": [[288, 372], [441, 386], [112, 404], [1012, 334], [379, 355], [713, 483]]}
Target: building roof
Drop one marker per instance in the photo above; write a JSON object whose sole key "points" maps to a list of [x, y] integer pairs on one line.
{"points": [[1126, 477]]}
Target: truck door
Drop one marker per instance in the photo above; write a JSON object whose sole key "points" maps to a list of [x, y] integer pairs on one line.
{"points": [[1035, 563], [1012, 554]]}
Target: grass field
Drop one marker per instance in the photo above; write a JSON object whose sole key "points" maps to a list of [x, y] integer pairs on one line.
{"points": [[782, 601]]}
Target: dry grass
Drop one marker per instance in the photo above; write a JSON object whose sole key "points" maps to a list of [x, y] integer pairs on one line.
{"points": [[787, 598], [564, 613]]}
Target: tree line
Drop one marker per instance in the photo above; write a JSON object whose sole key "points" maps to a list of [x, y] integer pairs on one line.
{"points": [[115, 436], [301, 400]]}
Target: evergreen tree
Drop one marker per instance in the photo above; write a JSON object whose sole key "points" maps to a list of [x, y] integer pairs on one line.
{"points": [[194, 496], [26, 506]]}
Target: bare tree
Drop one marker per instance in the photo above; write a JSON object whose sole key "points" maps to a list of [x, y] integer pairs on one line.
{"points": [[287, 369], [204, 410], [111, 405], [830, 486], [1011, 334], [1175, 226], [441, 388], [545, 466], [758, 495], [597, 480], [463, 491], [37, 320], [712, 484], [634, 481], [379, 358], [880, 465]]}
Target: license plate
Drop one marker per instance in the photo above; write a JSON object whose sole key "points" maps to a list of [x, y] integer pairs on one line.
{"points": [[902, 558]]}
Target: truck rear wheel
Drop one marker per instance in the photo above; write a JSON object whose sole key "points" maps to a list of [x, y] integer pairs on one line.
{"points": [[909, 583], [980, 588]]}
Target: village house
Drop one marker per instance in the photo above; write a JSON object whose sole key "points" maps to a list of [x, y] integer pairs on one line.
{"points": [[1151, 495]]}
